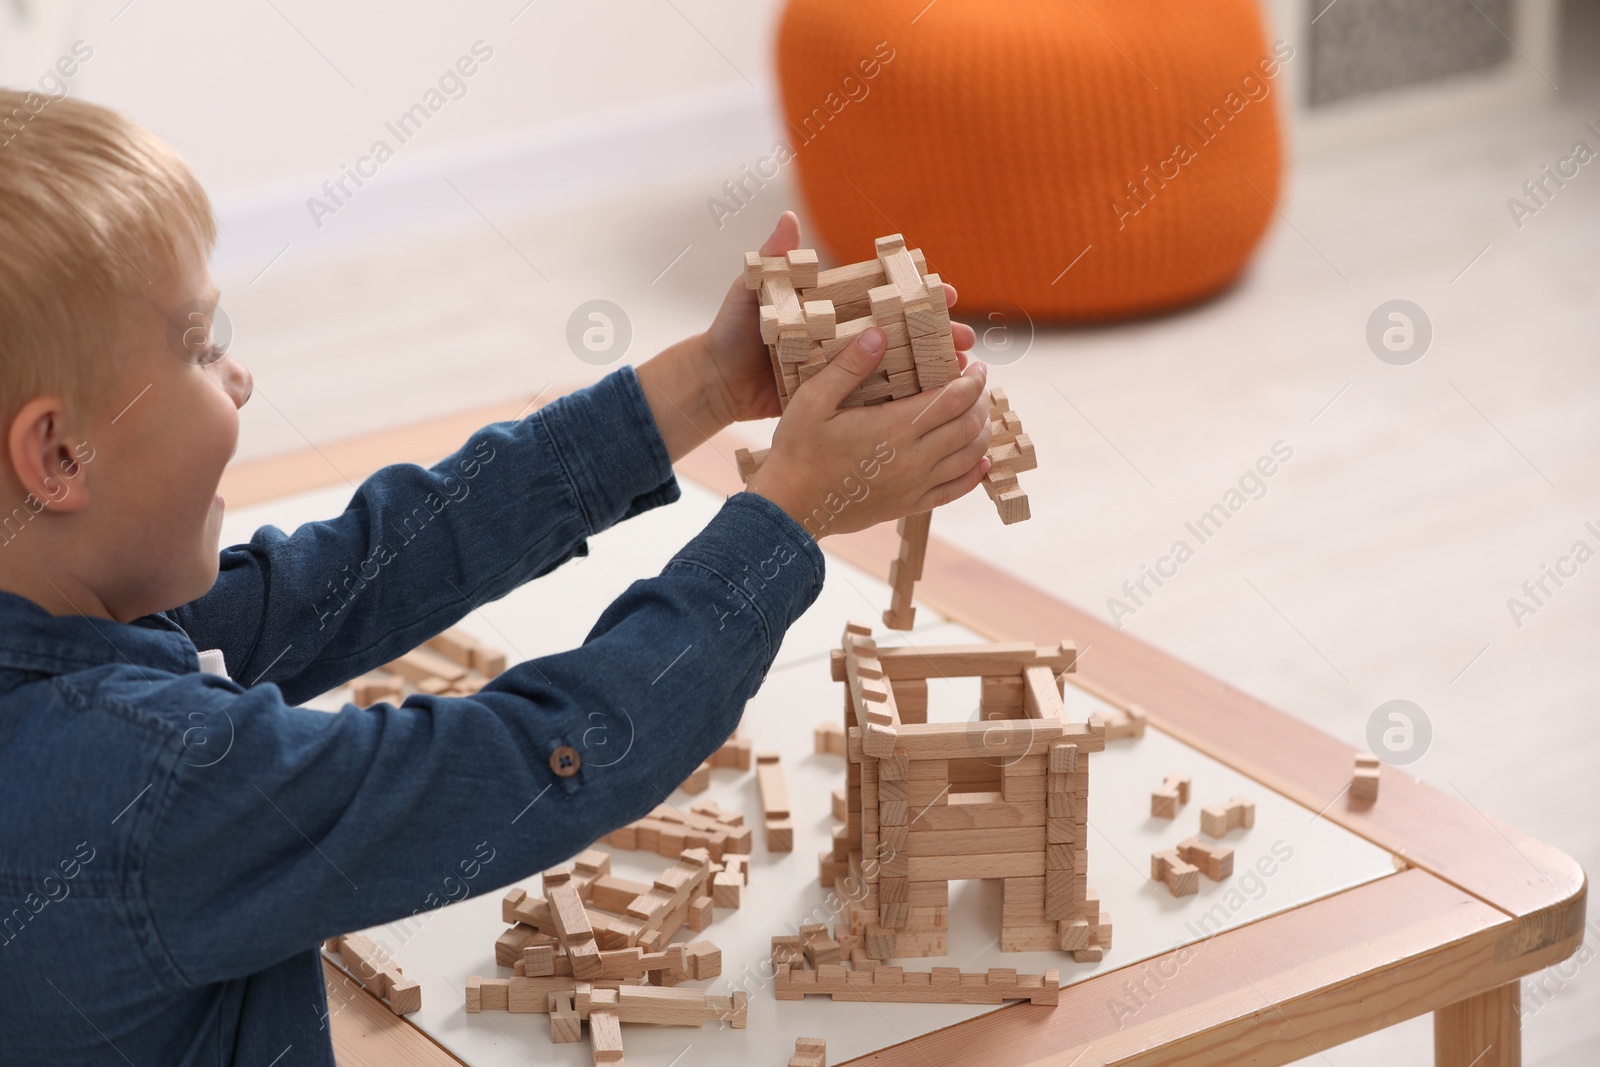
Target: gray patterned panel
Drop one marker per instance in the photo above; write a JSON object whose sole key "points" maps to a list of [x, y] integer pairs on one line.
{"points": [[1360, 47]]}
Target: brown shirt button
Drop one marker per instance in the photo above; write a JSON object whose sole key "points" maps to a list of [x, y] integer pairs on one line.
{"points": [[565, 761]]}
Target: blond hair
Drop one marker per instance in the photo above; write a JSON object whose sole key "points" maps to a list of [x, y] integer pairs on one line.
{"points": [[94, 208]]}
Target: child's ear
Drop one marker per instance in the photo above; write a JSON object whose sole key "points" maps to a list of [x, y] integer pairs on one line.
{"points": [[44, 459]]}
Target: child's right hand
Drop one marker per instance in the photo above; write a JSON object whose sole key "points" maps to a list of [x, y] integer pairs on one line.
{"points": [[838, 470]]}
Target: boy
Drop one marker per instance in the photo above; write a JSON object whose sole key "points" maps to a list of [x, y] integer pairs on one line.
{"points": [[177, 842]]}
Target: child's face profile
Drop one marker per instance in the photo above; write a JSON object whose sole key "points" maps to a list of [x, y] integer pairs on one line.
{"points": [[163, 444]]}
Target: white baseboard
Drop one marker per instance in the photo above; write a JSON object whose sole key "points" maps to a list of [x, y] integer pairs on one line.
{"points": [[543, 169]]}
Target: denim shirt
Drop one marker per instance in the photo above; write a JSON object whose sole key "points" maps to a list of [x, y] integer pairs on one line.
{"points": [[176, 845]]}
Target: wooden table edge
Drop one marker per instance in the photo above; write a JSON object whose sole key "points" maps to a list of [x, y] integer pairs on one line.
{"points": [[1544, 915]]}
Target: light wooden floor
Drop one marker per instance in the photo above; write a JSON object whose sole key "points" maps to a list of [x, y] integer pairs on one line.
{"points": [[1378, 563]]}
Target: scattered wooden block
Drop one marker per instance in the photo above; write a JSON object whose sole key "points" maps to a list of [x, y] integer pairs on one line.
{"points": [[1364, 783], [421, 665], [704, 960], [907, 569], [698, 781], [809, 1052], [1216, 861], [376, 688], [828, 739], [565, 1025], [727, 885], [841, 805], [735, 753], [1173, 794], [774, 802], [1169, 868], [1217, 819], [605, 1036], [377, 972]]}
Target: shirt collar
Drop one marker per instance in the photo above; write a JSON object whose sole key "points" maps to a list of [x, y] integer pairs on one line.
{"points": [[32, 639]]}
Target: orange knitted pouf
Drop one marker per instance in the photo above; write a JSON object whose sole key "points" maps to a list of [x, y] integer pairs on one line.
{"points": [[1005, 137]]}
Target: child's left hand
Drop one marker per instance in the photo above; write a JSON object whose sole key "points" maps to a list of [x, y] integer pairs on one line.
{"points": [[737, 360]]}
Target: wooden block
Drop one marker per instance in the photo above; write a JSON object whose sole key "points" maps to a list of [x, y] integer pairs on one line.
{"points": [[822, 320], [809, 1052], [376, 688], [1364, 783], [486, 993], [704, 960], [371, 966], [540, 960], [780, 835], [727, 891], [942, 985], [1173, 794], [802, 264], [829, 739], [571, 923], [736, 753], [454, 644], [698, 781], [1063, 758], [773, 788], [661, 1005], [1215, 860], [1217, 819], [605, 1036], [840, 805], [1181, 878], [420, 665], [566, 1027]]}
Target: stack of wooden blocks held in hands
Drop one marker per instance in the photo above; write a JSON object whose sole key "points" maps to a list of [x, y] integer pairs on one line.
{"points": [[453, 664], [808, 316]]}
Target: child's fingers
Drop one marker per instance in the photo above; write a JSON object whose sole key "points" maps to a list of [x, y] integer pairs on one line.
{"points": [[929, 413], [964, 336], [954, 489], [785, 235], [961, 460], [968, 428], [827, 389]]}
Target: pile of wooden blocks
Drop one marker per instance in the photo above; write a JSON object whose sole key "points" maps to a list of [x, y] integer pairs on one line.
{"points": [[454, 664], [575, 962], [927, 803], [668, 830], [572, 916]]}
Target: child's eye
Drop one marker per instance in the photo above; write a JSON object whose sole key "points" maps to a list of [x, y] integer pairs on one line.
{"points": [[210, 354], [199, 333]]}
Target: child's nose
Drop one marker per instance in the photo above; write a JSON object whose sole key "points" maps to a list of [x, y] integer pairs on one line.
{"points": [[237, 380]]}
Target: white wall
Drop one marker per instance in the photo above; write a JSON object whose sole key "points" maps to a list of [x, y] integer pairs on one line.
{"points": [[242, 91]]}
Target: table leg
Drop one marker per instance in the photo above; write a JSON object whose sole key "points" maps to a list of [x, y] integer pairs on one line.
{"points": [[1483, 1031]]}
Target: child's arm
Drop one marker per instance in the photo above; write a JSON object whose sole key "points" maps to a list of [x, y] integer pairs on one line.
{"points": [[313, 824], [417, 549]]}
